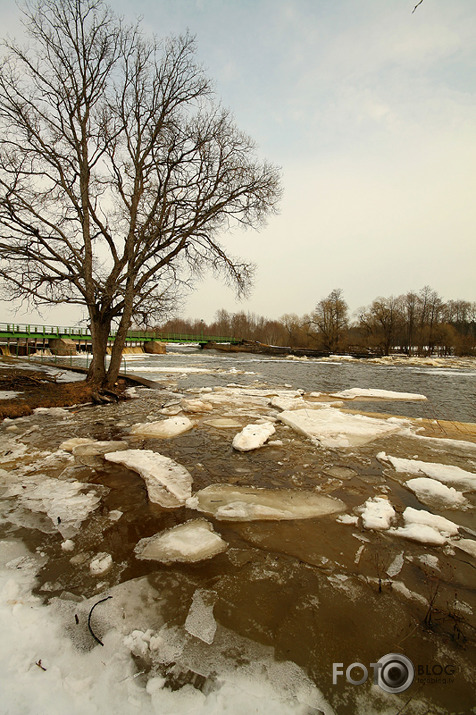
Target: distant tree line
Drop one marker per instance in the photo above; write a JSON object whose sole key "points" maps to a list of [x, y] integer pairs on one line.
{"points": [[414, 323]]}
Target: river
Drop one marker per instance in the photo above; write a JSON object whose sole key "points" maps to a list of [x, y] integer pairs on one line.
{"points": [[272, 622]]}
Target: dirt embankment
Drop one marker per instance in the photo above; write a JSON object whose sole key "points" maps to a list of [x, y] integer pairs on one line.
{"points": [[35, 388]]}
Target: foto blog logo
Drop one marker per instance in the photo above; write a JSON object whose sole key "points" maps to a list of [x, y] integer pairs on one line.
{"points": [[393, 673]]}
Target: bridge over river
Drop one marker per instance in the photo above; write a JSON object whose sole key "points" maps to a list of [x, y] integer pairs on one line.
{"points": [[24, 339]]}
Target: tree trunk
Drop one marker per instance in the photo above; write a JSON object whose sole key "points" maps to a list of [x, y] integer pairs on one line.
{"points": [[100, 330], [118, 347]]}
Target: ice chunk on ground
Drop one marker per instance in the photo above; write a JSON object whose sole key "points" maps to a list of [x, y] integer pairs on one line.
{"points": [[165, 428], [67, 502], [95, 449], [420, 532], [223, 423], [431, 491], [196, 406], [421, 516], [253, 436], [69, 444], [396, 565], [377, 513], [200, 621], [9, 394], [446, 473], [168, 483], [380, 394], [333, 428], [348, 519], [52, 411], [292, 403], [467, 545], [228, 503], [101, 563], [193, 541], [67, 545]]}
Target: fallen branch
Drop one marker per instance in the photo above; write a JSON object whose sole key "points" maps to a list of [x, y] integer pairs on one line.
{"points": [[89, 619]]}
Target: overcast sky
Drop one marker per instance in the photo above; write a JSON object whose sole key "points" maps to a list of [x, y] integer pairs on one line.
{"points": [[370, 110]]}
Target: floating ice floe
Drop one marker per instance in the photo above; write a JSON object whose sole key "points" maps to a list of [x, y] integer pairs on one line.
{"points": [[228, 503], [427, 528], [168, 483], [377, 513], [200, 621], [355, 392], [446, 473], [193, 541], [165, 428], [431, 491], [253, 436], [333, 428]]}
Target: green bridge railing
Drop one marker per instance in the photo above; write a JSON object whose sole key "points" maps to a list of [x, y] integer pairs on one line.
{"points": [[14, 331]]}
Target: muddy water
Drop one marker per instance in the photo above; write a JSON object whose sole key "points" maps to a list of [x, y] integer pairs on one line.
{"points": [[315, 590]]}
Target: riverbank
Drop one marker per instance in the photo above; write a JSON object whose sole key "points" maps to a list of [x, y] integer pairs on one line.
{"points": [[25, 387]]}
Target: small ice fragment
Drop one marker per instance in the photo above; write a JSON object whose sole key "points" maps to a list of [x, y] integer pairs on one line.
{"points": [[101, 563], [200, 621], [96, 449], [377, 513], [69, 444], [467, 545], [115, 514], [253, 436], [347, 519], [171, 427], [193, 541], [196, 406], [396, 565], [67, 545]]}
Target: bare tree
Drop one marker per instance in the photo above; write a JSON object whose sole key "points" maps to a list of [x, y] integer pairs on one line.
{"points": [[118, 171], [331, 319]]}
